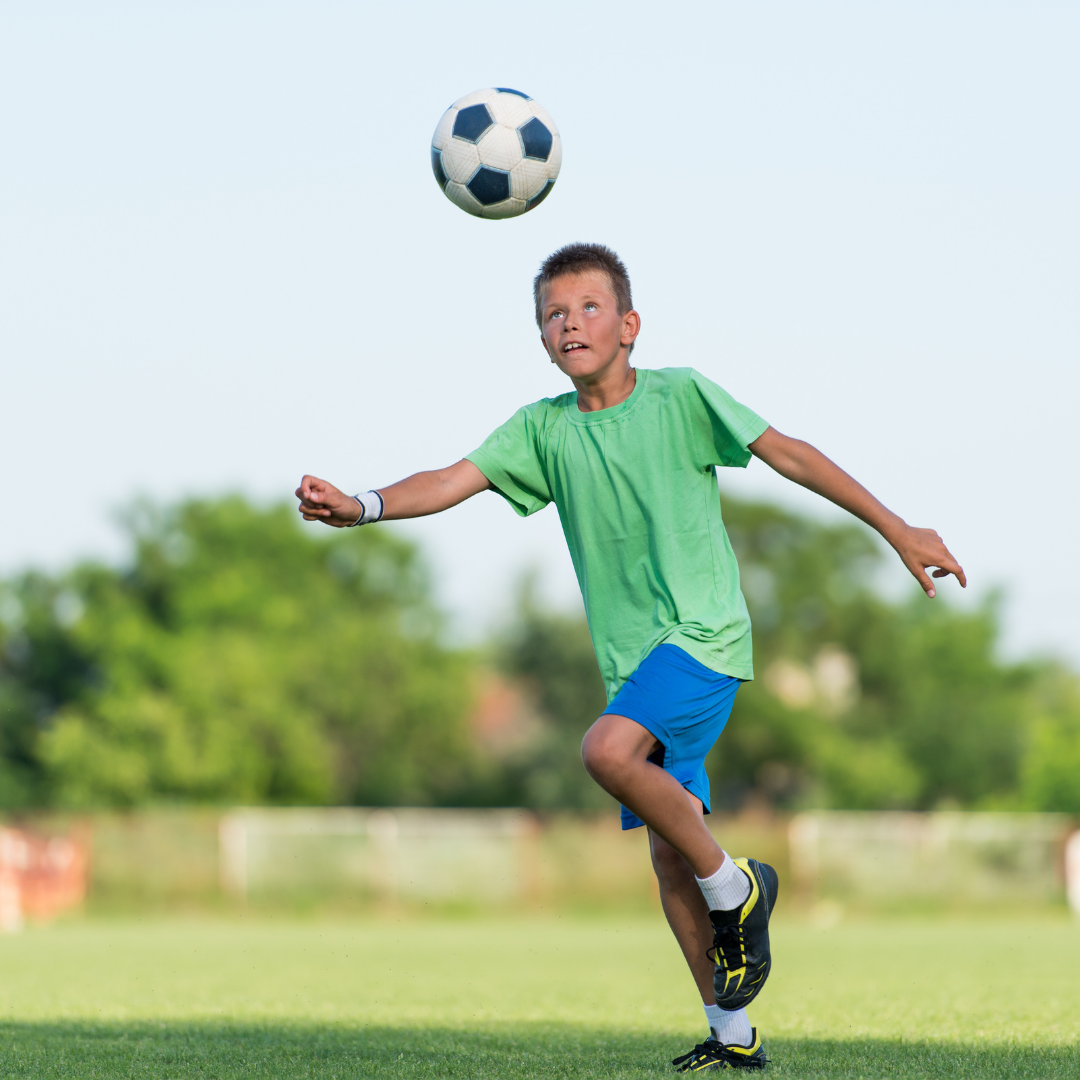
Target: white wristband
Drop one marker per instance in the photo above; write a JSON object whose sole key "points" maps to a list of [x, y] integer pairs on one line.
{"points": [[371, 508]]}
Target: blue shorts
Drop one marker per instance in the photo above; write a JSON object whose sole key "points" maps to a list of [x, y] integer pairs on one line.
{"points": [[685, 705]]}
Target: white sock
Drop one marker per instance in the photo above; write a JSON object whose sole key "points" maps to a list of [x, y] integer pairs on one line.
{"points": [[727, 888], [729, 1027]]}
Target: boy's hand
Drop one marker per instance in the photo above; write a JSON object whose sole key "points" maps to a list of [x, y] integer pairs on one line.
{"points": [[321, 501], [416, 496], [920, 549]]}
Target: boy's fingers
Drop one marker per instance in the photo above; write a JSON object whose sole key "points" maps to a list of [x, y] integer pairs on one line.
{"points": [[949, 565], [919, 573], [927, 551], [310, 485], [944, 569]]}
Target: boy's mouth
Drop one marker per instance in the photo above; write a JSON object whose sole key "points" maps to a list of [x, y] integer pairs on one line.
{"points": [[574, 346]]}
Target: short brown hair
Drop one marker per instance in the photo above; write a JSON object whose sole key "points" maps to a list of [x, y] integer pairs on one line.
{"points": [[581, 259]]}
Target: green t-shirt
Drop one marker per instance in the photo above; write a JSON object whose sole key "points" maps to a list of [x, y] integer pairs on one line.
{"points": [[635, 486]]}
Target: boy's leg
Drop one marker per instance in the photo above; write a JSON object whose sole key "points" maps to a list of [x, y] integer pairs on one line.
{"points": [[688, 916], [739, 894], [615, 751]]}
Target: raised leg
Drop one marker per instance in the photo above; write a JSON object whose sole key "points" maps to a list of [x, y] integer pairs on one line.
{"points": [[615, 751]]}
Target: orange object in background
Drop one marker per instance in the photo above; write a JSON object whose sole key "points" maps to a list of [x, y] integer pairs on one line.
{"points": [[40, 876]]}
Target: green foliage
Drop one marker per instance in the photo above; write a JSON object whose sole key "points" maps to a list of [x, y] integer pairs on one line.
{"points": [[1051, 766], [551, 653], [241, 658]]}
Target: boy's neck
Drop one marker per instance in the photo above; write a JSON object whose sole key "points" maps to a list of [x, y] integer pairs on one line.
{"points": [[608, 388]]}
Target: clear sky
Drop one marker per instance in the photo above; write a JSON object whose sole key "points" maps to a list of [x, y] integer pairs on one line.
{"points": [[224, 260]]}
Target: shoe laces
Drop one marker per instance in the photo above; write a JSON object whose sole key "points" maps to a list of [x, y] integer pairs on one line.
{"points": [[704, 1049], [728, 948], [716, 1052]]}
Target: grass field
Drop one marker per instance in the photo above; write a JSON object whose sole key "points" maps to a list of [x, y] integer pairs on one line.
{"points": [[550, 998]]}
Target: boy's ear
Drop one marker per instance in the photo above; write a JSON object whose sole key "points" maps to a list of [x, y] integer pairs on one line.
{"points": [[631, 327]]}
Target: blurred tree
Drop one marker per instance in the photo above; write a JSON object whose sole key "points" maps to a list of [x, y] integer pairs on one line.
{"points": [[242, 657], [1051, 766], [245, 658], [552, 654], [933, 682]]}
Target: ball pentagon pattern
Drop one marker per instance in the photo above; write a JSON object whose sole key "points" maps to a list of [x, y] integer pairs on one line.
{"points": [[496, 153]]}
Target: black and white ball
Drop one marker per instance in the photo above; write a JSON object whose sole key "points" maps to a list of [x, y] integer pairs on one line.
{"points": [[496, 153]]}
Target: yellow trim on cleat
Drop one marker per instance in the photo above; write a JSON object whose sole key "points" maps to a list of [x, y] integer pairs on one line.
{"points": [[748, 906], [755, 1045], [715, 1055], [751, 900]]}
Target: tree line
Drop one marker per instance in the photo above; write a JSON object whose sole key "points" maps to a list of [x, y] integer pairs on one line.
{"points": [[241, 658]]}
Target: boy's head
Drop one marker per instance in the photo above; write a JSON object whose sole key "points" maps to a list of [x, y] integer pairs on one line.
{"points": [[583, 259], [583, 263]]}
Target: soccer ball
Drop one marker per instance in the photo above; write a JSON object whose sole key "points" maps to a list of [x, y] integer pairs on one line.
{"points": [[496, 153]]}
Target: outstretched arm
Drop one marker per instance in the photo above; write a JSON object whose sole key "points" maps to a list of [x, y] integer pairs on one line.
{"points": [[919, 549], [416, 496]]}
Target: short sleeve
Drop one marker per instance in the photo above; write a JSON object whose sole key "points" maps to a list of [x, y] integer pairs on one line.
{"points": [[511, 459], [729, 427]]}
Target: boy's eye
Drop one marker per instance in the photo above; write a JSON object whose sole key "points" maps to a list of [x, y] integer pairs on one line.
{"points": [[555, 315], [590, 306]]}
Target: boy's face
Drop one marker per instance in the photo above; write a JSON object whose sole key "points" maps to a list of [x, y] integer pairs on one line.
{"points": [[583, 332]]}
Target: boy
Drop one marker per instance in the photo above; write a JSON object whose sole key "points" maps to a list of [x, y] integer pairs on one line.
{"points": [[629, 460]]}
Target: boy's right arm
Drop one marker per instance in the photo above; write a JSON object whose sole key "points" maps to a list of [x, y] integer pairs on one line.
{"points": [[418, 495]]}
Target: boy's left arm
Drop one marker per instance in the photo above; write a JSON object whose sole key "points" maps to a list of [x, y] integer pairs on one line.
{"points": [[919, 549]]}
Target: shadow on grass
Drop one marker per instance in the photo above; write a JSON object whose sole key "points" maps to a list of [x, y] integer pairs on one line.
{"points": [[183, 1049]]}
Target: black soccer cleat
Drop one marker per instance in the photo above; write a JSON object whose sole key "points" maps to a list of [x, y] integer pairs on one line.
{"points": [[741, 939], [714, 1055]]}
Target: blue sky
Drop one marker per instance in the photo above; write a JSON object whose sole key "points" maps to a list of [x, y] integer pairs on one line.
{"points": [[224, 261]]}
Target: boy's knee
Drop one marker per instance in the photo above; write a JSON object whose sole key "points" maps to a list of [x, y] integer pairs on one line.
{"points": [[613, 747], [592, 754], [600, 753]]}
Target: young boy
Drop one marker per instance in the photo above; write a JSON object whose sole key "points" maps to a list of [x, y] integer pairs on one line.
{"points": [[629, 459]]}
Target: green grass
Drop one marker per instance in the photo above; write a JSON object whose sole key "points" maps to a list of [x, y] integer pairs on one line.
{"points": [[552, 998]]}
